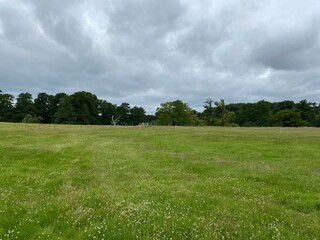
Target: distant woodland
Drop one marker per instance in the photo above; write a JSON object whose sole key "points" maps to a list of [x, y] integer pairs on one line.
{"points": [[86, 108]]}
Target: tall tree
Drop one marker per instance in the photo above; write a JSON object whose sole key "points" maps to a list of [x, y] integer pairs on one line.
{"points": [[123, 113], [307, 111], [137, 115], [247, 115], [222, 112], [56, 102], [24, 106], [6, 107], [79, 108], [86, 107], [66, 113], [263, 112], [106, 111], [209, 112], [44, 105]]}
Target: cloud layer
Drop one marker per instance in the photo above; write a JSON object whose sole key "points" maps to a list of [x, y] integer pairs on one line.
{"points": [[149, 51]]}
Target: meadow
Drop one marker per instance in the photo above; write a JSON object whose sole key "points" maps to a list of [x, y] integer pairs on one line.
{"points": [[106, 182]]}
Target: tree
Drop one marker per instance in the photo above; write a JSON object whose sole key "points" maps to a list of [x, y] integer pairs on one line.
{"points": [[278, 106], [151, 119], [263, 110], [222, 112], [287, 118], [175, 113], [44, 105], [317, 121], [137, 115], [307, 111], [107, 112], [123, 112], [6, 107], [56, 102], [208, 112], [254, 114], [66, 113], [78, 108], [24, 106], [86, 107]]}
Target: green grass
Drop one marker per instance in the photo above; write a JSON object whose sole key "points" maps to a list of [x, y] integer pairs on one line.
{"points": [[103, 182]]}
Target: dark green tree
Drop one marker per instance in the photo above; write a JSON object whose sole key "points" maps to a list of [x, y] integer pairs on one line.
{"points": [[278, 106], [66, 113], [317, 121], [263, 110], [86, 107], [44, 105], [78, 108], [106, 112], [57, 98], [247, 115], [137, 115], [307, 111], [24, 106], [254, 114], [6, 107], [151, 119], [56, 102], [123, 113], [287, 118]]}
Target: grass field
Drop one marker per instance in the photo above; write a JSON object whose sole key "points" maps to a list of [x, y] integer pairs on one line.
{"points": [[103, 182]]}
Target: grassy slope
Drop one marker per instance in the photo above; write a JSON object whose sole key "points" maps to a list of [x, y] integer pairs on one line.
{"points": [[82, 182]]}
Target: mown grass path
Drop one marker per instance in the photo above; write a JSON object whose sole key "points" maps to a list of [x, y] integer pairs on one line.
{"points": [[103, 182]]}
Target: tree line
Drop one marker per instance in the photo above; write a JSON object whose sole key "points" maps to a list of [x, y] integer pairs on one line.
{"points": [[77, 108], [261, 114], [86, 108]]}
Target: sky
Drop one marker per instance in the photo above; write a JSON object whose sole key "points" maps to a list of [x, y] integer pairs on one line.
{"points": [[150, 51]]}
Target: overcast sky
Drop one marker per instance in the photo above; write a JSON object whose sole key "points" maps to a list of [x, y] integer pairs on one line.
{"points": [[149, 51]]}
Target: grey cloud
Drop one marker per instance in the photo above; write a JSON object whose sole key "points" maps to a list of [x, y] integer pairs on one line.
{"points": [[146, 17], [148, 51], [296, 48], [293, 85]]}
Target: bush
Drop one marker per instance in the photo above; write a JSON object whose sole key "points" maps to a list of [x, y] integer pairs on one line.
{"points": [[30, 119], [287, 118]]}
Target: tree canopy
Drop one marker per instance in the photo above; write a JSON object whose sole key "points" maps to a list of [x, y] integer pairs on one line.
{"points": [[86, 108], [175, 113]]}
